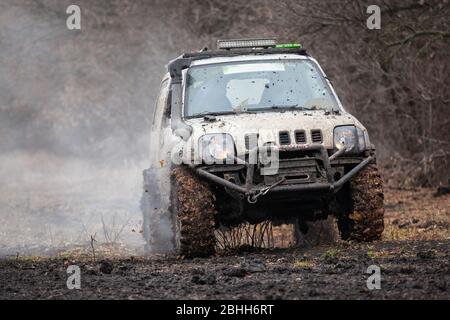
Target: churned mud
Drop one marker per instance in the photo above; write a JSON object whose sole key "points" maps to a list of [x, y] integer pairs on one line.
{"points": [[409, 270]]}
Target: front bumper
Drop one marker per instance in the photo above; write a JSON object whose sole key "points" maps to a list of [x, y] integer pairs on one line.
{"points": [[249, 189]]}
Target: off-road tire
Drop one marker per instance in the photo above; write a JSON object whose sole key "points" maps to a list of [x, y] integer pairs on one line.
{"points": [[193, 202], [365, 220]]}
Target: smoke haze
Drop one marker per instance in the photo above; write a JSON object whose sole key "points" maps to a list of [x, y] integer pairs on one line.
{"points": [[75, 110]]}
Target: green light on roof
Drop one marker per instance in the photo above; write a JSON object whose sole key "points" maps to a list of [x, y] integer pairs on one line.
{"points": [[288, 46]]}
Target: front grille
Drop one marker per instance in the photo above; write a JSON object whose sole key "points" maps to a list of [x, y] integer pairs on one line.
{"points": [[300, 137], [295, 170], [316, 136], [285, 138]]}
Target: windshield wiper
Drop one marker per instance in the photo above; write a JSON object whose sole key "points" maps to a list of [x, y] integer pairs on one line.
{"points": [[274, 108], [209, 113]]}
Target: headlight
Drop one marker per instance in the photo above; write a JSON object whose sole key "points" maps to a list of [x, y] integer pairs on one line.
{"points": [[216, 147], [351, 137]]}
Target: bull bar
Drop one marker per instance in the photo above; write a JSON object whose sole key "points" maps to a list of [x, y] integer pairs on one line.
{"points": [[250, 190]]}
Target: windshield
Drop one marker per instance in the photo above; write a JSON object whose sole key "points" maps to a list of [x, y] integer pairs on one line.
{"points": [[256, 87]]}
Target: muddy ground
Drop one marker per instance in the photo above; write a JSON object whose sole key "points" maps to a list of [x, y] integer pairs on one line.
{"points": [[413, 257], [409, 270]]}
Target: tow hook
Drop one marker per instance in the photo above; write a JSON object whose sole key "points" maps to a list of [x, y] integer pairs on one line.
{"points": [[253, 198]]}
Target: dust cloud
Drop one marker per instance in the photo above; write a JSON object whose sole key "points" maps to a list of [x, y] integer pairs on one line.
{"points": [[75, 114]]}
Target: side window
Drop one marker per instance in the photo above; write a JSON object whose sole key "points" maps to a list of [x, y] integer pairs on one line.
{"points": [[168, 110]]}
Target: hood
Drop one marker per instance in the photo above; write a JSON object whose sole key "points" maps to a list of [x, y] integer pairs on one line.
{"points": [[269, 125]]}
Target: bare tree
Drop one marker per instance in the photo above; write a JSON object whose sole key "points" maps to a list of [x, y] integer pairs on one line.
{"points": [[394, 79]]}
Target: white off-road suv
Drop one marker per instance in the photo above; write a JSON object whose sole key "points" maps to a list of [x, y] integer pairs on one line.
{"points": [[253, 132]]}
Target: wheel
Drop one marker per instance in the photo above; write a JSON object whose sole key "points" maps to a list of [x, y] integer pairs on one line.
{"points": [[193, 203], [365, 220]]}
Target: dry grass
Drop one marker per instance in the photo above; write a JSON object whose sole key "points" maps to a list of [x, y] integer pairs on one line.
{"points": [[102, 251], [416, 215], [304, 264], [263, 235], [373, 254]]}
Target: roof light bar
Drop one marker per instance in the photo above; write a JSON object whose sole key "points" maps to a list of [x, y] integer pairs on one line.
{"points": [[288, 46], [246, 43]]}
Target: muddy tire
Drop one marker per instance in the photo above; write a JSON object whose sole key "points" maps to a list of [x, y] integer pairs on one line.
{"points": [[365, 222], [193, 203]]}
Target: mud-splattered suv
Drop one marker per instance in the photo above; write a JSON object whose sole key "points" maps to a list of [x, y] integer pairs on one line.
{"points": [[253, 132]]}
